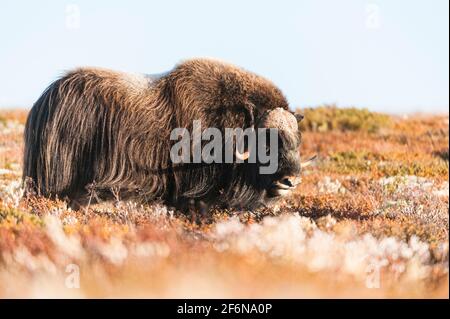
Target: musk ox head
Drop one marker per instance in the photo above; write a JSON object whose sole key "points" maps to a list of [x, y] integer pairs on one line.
{"points": [[287, 174]]}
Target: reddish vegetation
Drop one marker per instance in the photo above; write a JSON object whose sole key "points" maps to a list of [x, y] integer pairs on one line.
{"points": [[370, 219]]}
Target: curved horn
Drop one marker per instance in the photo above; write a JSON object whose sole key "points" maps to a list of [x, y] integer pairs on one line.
{"points": [[280, 119], [308, 162], [242, 156]]}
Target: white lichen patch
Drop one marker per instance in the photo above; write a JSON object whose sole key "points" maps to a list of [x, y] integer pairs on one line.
{"points": [[11, 127], [330, 186], [411, 182], [296, 239], [11, 191]]}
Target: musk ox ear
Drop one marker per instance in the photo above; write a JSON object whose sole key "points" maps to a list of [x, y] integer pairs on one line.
{"points": [[299, 117], [249, 108]]}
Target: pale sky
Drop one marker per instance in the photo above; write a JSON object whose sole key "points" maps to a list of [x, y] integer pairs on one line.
{"points": [[387, 55]]}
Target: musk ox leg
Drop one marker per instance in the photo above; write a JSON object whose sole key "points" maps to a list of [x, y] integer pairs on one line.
{"points": [[76, 204], [81, 201], [194, 209]]}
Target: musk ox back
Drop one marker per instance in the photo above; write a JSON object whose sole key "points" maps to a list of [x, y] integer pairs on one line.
{"points": [[95, 134]]}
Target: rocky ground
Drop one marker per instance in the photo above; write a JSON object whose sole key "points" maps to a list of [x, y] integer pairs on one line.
{"points": [[370, 219]]}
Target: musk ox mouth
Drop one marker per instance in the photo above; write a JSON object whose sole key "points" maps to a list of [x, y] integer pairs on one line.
{"points": [[284, 186]]}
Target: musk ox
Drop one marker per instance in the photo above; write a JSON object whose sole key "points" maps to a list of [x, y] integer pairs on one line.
{"points": [[108, 133]]}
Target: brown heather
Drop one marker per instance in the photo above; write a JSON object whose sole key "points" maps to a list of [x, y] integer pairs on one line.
{"points": [[373, 197]]}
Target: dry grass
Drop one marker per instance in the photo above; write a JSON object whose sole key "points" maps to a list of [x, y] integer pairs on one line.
{"points": [[370, 219]]}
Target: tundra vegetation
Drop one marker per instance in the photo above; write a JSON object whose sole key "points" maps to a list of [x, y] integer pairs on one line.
{"points": [[369, 219]]}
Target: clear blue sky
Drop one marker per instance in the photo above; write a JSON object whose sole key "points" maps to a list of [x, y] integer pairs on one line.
{"points": [[387, 55]]}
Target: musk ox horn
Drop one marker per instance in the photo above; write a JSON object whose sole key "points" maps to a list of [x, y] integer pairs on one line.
{"points": [[242, 156], [308, 162], [280, 119], [245, 155], [277, 118]]}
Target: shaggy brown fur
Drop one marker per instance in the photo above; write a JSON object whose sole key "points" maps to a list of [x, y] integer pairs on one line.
{"points": [[101, 132]]}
